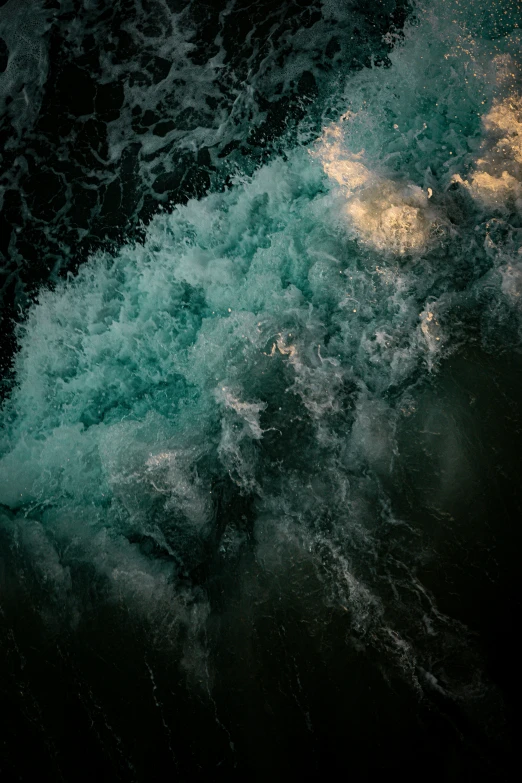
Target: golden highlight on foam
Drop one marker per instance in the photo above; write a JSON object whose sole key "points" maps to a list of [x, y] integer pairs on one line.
{"points": [[496, 180], [387, 216]]}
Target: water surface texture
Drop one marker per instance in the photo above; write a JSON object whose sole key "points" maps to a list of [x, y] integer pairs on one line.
{"points": [[261, 432]]}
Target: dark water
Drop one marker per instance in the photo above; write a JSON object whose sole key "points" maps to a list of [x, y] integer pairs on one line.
{"points": [[262, 420]]}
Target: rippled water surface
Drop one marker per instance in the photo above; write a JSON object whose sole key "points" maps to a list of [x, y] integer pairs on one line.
{"points": [[261, 431]]}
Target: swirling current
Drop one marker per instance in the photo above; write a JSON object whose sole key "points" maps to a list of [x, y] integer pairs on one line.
{"points": [[261, 423]]}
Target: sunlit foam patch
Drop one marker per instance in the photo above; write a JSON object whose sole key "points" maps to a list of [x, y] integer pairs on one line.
{"points": [[496, 180], [505, 119], [346, 169], [391, 218], [388, 216], [490, 190]]}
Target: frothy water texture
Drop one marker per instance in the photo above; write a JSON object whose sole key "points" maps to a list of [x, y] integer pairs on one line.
{"points": [[257, 433]]}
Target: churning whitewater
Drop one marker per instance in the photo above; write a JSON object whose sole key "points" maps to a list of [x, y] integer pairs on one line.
{"points": [[241, 392]]}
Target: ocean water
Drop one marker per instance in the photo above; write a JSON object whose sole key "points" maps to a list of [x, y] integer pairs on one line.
{"points": [[260, 449]]}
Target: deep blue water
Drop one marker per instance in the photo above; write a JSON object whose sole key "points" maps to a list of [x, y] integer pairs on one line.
{"points": [[261, 432]]}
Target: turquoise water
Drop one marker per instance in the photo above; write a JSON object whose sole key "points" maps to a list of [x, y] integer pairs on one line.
{"points": [[258, 392]]}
